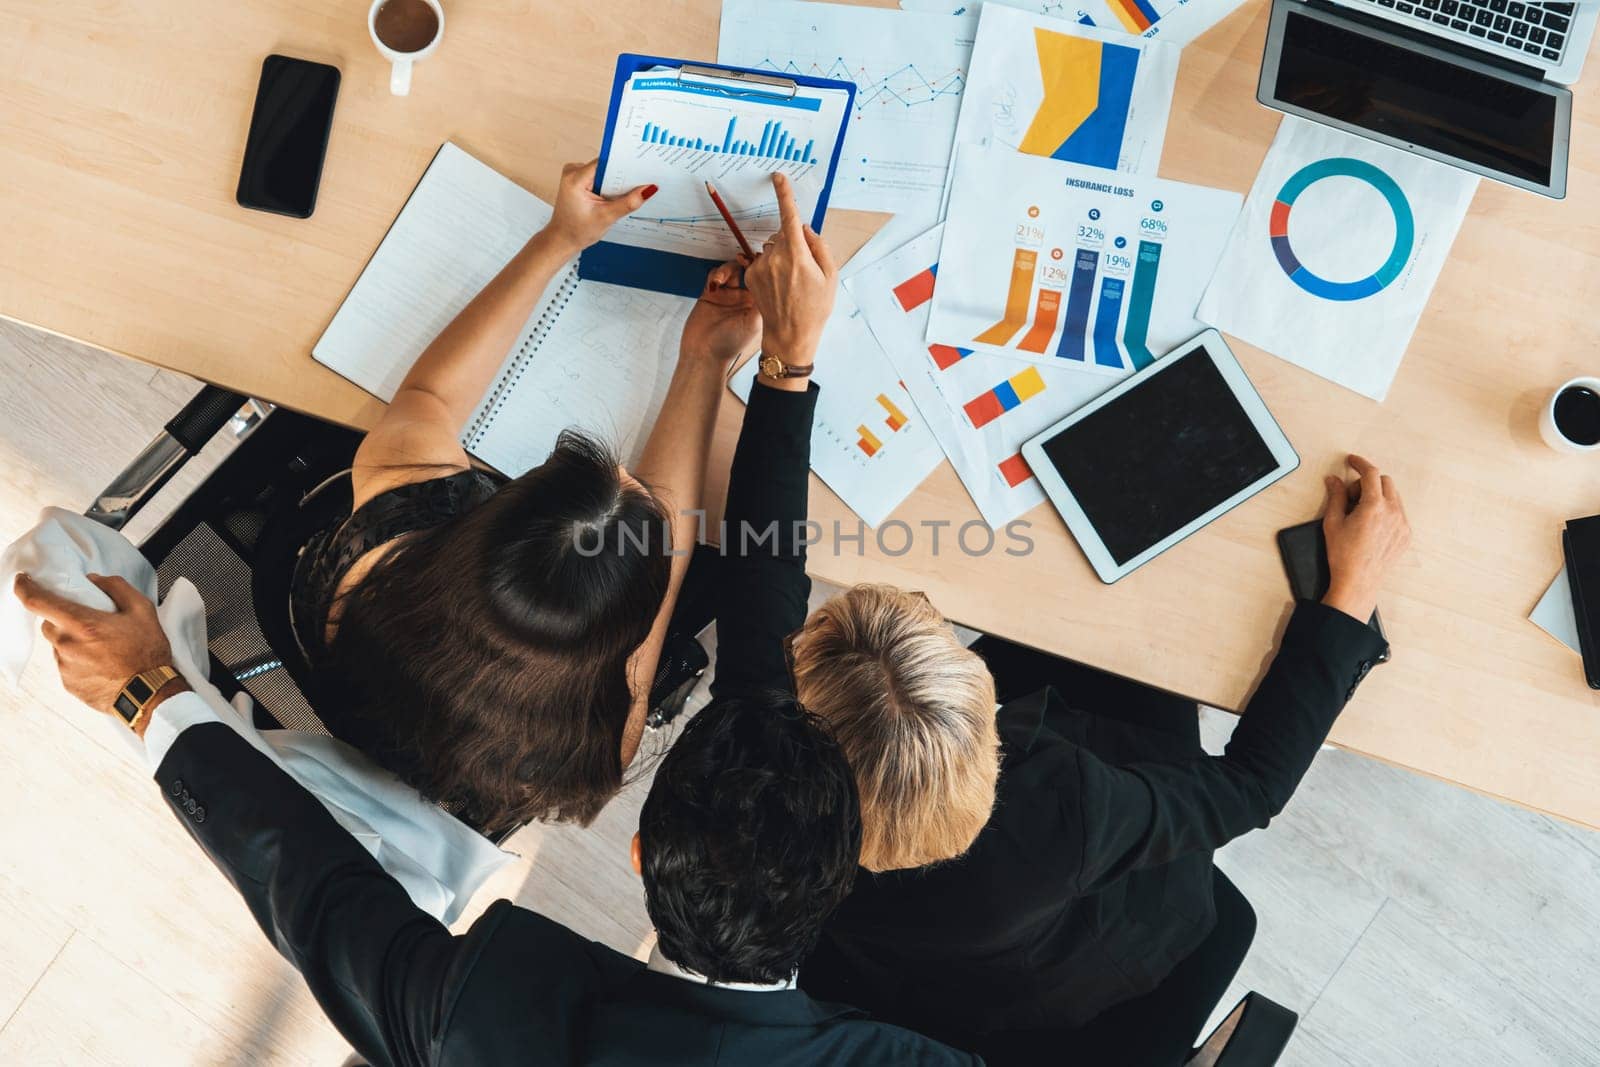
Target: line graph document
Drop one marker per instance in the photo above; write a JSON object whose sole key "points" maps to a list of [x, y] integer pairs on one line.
{"points": [[910, 70]]}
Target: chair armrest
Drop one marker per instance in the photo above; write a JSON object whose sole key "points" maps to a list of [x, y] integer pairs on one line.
{"points": [[183, 436], [1254, 1034]]}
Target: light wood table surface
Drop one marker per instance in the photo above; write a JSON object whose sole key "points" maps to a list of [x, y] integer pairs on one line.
{"points": [[121, 129]]}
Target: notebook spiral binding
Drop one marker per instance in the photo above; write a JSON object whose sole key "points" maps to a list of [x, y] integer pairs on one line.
{"points": [[527, 348]]}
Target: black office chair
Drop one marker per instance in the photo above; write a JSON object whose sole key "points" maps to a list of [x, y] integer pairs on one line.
{"points": [[235, 538], [1256, 1031]]}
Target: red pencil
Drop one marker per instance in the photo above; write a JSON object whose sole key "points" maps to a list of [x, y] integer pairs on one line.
{"points": [[727, 217]]}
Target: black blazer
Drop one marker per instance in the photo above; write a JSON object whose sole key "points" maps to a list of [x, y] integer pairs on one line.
{"points": [[1093, 876], [516, 988]]}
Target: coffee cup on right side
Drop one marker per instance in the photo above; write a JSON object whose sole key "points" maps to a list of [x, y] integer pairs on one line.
{"points": [[1570, 421]]}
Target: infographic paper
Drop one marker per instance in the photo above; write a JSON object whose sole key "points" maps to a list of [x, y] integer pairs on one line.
{"points": [[1074, 266]]}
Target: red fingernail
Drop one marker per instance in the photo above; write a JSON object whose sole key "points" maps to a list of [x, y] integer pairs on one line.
{"points": [[650, 190]]}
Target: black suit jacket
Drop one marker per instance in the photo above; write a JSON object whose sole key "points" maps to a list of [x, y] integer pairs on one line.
{"points": [[516, 988], [1093, 876]]}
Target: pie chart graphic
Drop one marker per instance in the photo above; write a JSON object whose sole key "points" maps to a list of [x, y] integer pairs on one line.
{"points": [[1405, 229]]}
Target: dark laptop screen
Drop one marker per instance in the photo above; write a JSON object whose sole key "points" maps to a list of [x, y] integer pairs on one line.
{"points": [[1340, 72]]}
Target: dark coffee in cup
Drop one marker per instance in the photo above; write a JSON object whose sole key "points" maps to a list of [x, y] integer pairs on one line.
{"points": [[406, 25], [1577, 415]]}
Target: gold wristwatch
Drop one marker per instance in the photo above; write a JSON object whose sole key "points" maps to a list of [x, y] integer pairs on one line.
{"points": [[773, 367], [134, 700]]}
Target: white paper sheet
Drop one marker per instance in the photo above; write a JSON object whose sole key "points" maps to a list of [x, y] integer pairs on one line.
{"points": [[1554, 613], [1074, 267], [678, 134], [1068, 91], [870, 444], [1176, 22], [591, 355], [909, 68], [1336, 253], [955, 389]]}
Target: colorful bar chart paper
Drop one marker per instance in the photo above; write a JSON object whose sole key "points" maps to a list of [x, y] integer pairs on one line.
{"points": [[1037, 339], [896, 418], [1137, 332], [1106, 353], [1009, 394], [916, 290], [1079, 298], [1015, 471], [947, 356], [1017, 300], [1136, 16], [869, 443]]}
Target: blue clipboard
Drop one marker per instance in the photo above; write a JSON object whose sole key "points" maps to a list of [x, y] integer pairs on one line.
{"points": [[673, 272]]}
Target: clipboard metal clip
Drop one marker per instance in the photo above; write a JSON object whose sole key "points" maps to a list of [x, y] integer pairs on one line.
{"points": [[738, 82]]}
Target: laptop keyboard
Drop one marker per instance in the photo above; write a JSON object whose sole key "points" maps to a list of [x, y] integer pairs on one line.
{"points": [[1537, 30]]}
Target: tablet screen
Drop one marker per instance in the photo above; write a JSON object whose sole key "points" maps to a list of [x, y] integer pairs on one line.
{"points": [[1160, 455]]}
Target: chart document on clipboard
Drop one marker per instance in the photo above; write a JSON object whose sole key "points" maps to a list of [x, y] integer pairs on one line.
{"points": [[678, 126]]}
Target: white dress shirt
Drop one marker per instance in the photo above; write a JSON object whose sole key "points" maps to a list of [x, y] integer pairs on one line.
{"points": [[439, 860], [661, 965]]}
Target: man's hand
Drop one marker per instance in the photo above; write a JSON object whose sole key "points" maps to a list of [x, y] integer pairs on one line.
{"points": [[581, 216], [793, 282], [1367, 531], [724, 324], [99, 651]]}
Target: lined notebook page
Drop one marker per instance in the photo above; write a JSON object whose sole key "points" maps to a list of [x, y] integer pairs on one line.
{"points": [[591, 355], [603, 366], [463, 222]]}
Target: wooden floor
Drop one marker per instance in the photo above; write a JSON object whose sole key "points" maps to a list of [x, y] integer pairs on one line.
{"points": [[1407, 921]]}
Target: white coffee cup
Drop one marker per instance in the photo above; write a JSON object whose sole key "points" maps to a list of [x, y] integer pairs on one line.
{"points": [[400, 71], [1552, 432]]}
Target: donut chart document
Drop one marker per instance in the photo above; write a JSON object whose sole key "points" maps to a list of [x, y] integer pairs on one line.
{"points": [[1075, 267], [1336, 253]]}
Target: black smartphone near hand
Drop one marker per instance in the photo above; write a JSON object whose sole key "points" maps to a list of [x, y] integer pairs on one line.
{"points": [[288, 136], [1305, 560]]}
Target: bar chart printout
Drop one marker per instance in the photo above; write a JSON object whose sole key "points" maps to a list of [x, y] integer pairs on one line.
{"points": [[980, 406], [679, 134], [1069, 266], [775, 142]]}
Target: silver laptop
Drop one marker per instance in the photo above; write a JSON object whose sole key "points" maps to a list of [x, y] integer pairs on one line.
{"points": [[1550, 38], [1477, 84]]}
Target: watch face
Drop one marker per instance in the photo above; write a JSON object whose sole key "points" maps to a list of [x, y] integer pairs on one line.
{"points": [[771, 366]]}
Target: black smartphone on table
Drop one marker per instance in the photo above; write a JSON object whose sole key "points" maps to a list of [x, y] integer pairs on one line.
{"points": [[288, 136], [1305, 559]]}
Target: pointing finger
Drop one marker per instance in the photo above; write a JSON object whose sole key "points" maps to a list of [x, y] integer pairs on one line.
{"points": [[788, 213]]}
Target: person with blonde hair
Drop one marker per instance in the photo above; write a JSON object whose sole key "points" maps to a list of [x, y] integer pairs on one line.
{"points": [[1036, 882]]}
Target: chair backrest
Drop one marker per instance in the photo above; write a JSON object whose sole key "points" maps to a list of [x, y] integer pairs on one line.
{"points": [[215, 538]]}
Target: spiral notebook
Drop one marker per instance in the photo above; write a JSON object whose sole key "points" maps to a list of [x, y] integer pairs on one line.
{"points": [[592, 355]]}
